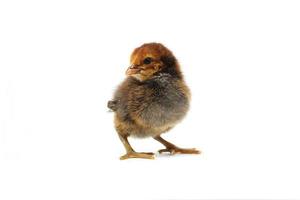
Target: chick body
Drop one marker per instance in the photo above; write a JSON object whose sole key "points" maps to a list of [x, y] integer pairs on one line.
{"points": [[151, 107]]}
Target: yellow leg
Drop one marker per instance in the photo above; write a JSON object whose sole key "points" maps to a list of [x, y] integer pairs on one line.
{"points": [[172, 149], [130, 153]]}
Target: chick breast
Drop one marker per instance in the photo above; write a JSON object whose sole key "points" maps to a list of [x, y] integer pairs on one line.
{"points": [[151, 107]]}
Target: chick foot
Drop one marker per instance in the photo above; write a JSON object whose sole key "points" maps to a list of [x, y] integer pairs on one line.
{"points": [[177, 150], [173, 149], [137, 155]]}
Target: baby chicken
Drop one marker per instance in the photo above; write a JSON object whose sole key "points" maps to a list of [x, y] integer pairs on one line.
{"points": [[151, 100]]}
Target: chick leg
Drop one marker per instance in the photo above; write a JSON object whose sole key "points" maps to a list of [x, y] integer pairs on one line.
{"points": [[172, 149], [130, 153]]}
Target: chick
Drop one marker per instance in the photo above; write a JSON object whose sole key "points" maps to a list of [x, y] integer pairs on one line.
{"points": [[151, 100]]}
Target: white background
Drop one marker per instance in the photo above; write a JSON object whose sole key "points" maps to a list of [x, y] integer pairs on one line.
{"points": [[60, 62]]}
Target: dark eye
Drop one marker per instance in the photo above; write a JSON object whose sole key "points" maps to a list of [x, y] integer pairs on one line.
{"points": [[147, 61]]}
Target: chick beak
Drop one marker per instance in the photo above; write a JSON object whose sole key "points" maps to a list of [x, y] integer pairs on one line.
{"points": [[132, 69]]}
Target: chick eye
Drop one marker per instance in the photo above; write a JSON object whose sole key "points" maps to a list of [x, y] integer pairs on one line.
{"points": [[147, 61]]}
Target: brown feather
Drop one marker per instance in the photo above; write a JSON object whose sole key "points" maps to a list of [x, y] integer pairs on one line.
{"points": [[153, 101]]}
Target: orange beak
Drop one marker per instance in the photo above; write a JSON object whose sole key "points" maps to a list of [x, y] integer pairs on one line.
{"points": [[133, 69]]}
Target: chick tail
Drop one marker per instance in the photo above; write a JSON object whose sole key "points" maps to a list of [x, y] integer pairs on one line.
{"points": [[112, 105]]}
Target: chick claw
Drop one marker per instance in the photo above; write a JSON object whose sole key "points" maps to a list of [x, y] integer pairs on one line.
{"points": [[137, 155], [173, 151]]}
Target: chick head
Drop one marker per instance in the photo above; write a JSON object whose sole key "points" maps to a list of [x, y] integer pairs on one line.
{"points": [[151, 59]]}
